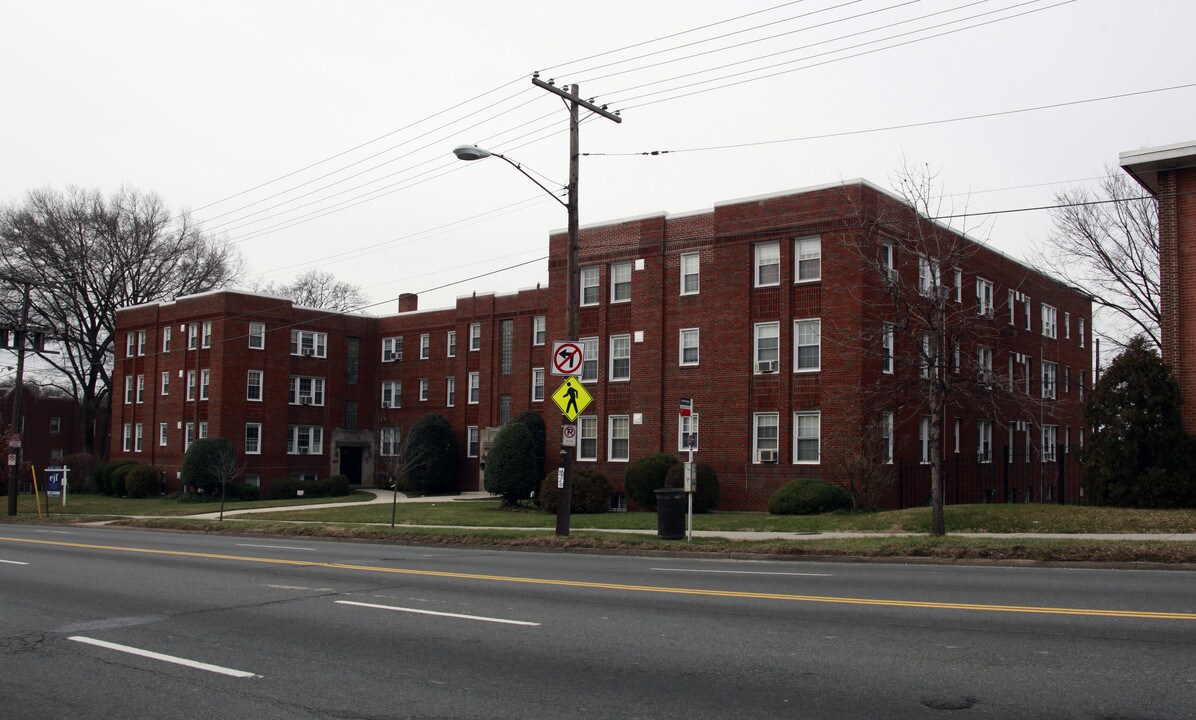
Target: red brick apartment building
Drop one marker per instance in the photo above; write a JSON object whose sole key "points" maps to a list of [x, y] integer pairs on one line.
{"points": [[754, 310], [52, 429]]}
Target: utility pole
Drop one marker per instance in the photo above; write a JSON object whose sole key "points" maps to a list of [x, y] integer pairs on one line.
{"points": [[18, 391], [573, 272]]}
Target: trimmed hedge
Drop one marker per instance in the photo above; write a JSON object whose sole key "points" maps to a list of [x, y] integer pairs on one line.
{"points": [[808, 497], [590, 492], [143, 481], [118, 477], [706, 493], [101, 477], [511, 464], [645, 476], [288, 488]]}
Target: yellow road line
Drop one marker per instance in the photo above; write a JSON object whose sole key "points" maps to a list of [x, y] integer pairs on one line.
{"points": [[1086, 612]]}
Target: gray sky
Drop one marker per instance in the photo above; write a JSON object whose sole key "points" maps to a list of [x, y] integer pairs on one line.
{"points": [[204, 101]]}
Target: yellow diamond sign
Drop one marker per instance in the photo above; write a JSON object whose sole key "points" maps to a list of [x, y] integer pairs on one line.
{"points": [[572, 398]]}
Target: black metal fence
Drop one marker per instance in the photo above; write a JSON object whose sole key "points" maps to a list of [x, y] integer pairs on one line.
{"points": [[1005, 479]]}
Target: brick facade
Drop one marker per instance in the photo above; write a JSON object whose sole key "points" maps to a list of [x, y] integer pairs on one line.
{"points": [[636, 318]]}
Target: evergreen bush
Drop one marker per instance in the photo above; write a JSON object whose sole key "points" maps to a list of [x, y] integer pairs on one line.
{"points": [[511, 464], [143, 481], [706, 492], [808, 497], [590, 492], [203, 464], [645, 476], [434, 445]]}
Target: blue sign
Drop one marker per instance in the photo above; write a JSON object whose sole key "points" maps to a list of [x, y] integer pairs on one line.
{"points": [[54, 482]]}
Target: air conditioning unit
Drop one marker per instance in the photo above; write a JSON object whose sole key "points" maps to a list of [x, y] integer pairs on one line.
{"points": [[309, 353], [767, 366], [303, 451], [388, 357], [305, 401], [768, 456]]}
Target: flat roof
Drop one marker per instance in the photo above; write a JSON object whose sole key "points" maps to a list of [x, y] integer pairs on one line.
{"points": [[1144, 165]]}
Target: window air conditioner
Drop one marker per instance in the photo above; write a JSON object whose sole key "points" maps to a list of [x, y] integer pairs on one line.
{"points": [[303, 451], [305, 401], [309, 353], [388, 357], [767, 366], [768, 456]]}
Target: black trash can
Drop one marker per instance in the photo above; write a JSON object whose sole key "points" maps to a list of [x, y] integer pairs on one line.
{"points": [[670, 513]]}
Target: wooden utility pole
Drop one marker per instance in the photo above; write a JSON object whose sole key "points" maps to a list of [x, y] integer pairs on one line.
{"points": [[18, 392]]}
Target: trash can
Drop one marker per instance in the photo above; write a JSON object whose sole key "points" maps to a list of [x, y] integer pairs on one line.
{"points": [[670, 513]]}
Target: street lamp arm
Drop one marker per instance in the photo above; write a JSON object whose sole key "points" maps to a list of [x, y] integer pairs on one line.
{"points": [[473, 152]]}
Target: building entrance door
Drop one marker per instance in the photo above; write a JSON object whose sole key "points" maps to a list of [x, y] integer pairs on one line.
{"points": [[350, 464]]}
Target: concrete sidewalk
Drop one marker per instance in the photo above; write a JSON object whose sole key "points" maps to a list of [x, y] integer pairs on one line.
{"points": [[381, 497]]}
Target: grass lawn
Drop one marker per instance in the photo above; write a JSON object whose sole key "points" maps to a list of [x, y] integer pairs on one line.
{"points": [[99, 505], [1045, 518]]}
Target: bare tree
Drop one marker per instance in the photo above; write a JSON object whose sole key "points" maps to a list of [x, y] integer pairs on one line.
{"points": [[226, 469], [398, 456], [1107, 242], [319, 289], [862, 465], [93, 255]]}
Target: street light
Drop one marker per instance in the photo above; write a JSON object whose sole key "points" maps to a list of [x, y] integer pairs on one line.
{"points": [[473, 152]]}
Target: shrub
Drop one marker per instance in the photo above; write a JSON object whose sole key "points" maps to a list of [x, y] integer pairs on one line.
{"points": [[511, 464], [288, 488], [590, 492], [433, 446], [645, 476], [207, 463], [119, 476], [102, 477], [282, 489], [243, 491], [535, 425], [808, 497], [706, 492], [143, 481]]}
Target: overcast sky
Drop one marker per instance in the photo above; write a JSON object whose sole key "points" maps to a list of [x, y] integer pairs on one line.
{"points": [[319, 134]]}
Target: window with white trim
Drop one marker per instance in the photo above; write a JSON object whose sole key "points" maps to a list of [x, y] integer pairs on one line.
{"points": [[425, 346], [620, 282], [924, 440], [690, 265], [765, 435], [1049, 318], [141, 342], [1012, 299], [192, 336], [506, 344], [305, 440], [589, 363], [1080, 321], [807, 345], [984, 297], [888, 265], [929, 276], [140, 389], [688, 347], [1080, 384], [388, 441], [165, 383], [450, 391], [958, 285], [1050, 378], [927, 357], [205, 384], [423, 389], [127, 445], [807, 258], [392, 394], [475, 388], [619, 438], [166, 339], [253, 385], [984, 441], [451, 343], [767, 346], [767, 264], [1050, 443], [257, 336], [253, 438], [306, 390], [309, 343], [1067, 326], [129, 390], [620, 357], [162, 434], [392, 349], [687, 426], [589, 285], [587, 433], [475, 337], [984, 364], [806, 436], [472, 441], [886, 437], [190, 384], [188, 435], [207, 334], [537, 384], [539, 330], [137, 435], [886, 344]]}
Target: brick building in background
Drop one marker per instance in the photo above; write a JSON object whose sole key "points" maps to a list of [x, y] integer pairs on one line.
{"points": [[756, 310], [52, 429]]}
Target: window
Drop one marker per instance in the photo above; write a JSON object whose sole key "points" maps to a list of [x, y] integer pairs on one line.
{"points": [[589, 285], [504, 409], [924, 440], [203, 430], [188, 435], [765, 438], [141, 342], [958, 285], [807, 257], [929, 278], [425, 346], [984, 364], [423, 389], [957, 436], [805, 437], [1049, 314], [475, 387], [689, 273], [190, 384], [984, 446], [128, 438], [392, 394], [207, 334], [619, 441], [587, 432], [1067, 326], [307, 390], [253, 438], [205, 383], [257, 335], [589, 363], [450, 391], [392, 349], [1081, 330], [475, 337], [955, 355], [129, 390], [768, 347], [506, 332], [886, 436], [620, 357], [451, 342], [687, 426], [537, 384], [312, 344], [984, 297], [539, 330], [1067, 379], [165, 383], [1050, 441], [1028, 303], [807, 342], [130, 344], [352, 359], [620, 282], [1011, 308], [888, 266], [162, 434], [253, 479], [768, 264], [137, 435], [166, 339], [305, 440], [192, 336], [1080, 385], [350, 414], [471, 441], [886, 344], [140, 389], [688, 347], [927, 357], [55, 424], [1050, 376], [388, 445]]}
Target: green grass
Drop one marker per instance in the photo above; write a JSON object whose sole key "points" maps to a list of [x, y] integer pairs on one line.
{"points": [[102, 505]]}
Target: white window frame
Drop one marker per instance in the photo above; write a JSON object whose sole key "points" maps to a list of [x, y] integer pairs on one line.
{"points": [[984, 297], [691, 265], [958, 286], [315, 394], [590, 362], [315, 439], [192, 336], [205, 384], [924, 448], [129, 390], [425, 346], [257, 332], [1050, 443], [317, 340], [163, 432], [620, 354], [140, 343], [392, 394], [166, 339], [188, 435], [984, 441], [620, 286], [588, 282], [256, 447], [389, 439], [765, 331], [1050, 321], [1080, 322], [766, 255], [587, 433], [206, 337], [190, 385], [130, 343], [930, 277], [984, 364], [473, 442], [165, 387], [802, 433], [450, 391], [138, 435], [127, 443], [475, 388], [1067, 326], [261, 385], [475, 337], [1050, 380], [688, 339], [140, 389], [886, 435], [615, 424], [807, 259], [450, 343], [757, 424], [538, 384], [423, 390], [686, 425], [801, 339], [539, 330], [887, 346], [888, 266], [392, 349]]}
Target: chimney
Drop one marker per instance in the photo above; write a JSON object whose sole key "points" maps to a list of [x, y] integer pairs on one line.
{"points": [[408, 302]]}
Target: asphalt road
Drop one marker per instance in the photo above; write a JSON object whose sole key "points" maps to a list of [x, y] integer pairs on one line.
{"points": [[104, 623]]}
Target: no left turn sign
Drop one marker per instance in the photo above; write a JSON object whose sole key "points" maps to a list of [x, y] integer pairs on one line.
{"points": [[566, 358]]}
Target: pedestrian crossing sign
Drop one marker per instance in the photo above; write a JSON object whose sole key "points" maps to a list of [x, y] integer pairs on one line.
{"points": [[572, 398]]}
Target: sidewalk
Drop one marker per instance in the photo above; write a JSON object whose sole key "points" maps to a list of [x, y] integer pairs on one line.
{"points": [[381, 497]]}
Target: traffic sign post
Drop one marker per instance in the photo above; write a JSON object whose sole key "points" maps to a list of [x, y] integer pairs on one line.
{"points": [[569, 435], [566, 358], [572, 398], [691, 470]]}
